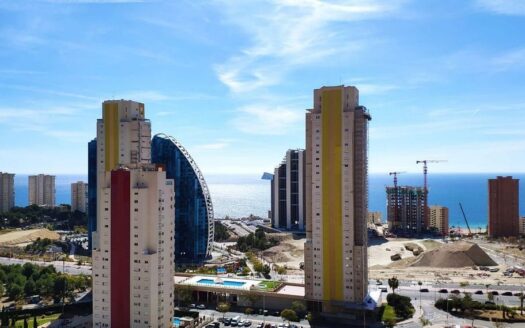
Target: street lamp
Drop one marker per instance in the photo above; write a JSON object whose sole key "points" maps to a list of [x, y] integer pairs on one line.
{"points": [[448, 299]]}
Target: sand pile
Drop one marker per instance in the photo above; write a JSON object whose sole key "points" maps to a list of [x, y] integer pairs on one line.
{"points": [[456, 255], [22, 237]]}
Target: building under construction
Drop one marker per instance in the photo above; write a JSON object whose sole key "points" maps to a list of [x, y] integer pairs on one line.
{"points": [[406, 210]]}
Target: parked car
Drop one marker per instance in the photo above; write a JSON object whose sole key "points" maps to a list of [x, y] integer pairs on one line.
{"points": [[247, 323], [507, 294], [490, 303], [517, 294], [494, 293], [443, 291], [201, 306], [424, 290], [192, 306], [455, 291], [384, 289], [479, 292], [260, 325], [379, 282]]}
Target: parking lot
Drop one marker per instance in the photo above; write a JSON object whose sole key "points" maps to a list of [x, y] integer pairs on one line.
{"points": [[234, 319]]}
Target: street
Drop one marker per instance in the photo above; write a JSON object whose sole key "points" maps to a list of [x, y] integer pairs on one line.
{"points": [[254, 318]]}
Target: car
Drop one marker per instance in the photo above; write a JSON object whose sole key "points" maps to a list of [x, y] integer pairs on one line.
{"points": [[379, 282], [201, 306], [192, 306], [216, 324], [260, 325], [443, 291], [479, 292], [424, 290], [506, 294], [494, 293], [490, 303], [518, 294], [247, 323], [455, 291], [210, 326], [384, 290], [494, 270], [227, 321], [265, 312]]}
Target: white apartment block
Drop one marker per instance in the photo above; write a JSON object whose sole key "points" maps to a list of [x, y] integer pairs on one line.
{"points": [[42, 190], [79, 191]]}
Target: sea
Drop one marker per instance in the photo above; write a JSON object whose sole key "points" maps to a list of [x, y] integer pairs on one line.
{"points": [[242, 195]]}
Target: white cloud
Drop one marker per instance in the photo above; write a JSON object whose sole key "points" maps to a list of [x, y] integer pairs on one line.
{"points": [[288, 33], [267, 120], [94, 1], [509, 60], [505, 7], [212, 146]]}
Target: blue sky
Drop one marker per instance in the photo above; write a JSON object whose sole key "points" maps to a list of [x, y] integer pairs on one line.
{"points": [[232, 79]]}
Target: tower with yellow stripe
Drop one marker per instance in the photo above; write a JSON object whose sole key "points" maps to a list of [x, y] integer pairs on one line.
{"points": [[336, 200]]}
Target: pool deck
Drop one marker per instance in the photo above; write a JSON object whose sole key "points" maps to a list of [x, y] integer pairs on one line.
{"points": [[194, 281]]}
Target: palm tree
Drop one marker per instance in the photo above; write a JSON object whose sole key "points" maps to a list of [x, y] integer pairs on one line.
{"points": [[393, 283]]}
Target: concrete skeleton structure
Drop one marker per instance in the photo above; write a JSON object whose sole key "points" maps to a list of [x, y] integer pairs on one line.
{"points": [[7, 191], [132, 246], [41, 190], [405, 210], [438, 219], [336, 268], [288, 192], [503, 207], [79, 193]]}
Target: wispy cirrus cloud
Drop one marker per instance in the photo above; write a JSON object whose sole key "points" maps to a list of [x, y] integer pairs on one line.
{"points": [[285, 34], [262, 120], [505, 7]]}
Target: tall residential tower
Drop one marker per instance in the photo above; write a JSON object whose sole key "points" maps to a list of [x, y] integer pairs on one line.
{"points": [[79, 193], [7, 191], [337, 200], [132, 247], [504, 207], [42, 190], [288, 192]]}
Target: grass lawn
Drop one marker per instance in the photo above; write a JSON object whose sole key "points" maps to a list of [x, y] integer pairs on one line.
{"points": [[40, 320], [269, 285], [388, 314]]}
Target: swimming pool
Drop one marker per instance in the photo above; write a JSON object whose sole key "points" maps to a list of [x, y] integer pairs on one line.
{"points": [[176, 322], [227, 283]]}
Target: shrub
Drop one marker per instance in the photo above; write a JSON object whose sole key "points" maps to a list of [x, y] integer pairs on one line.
{"points": [[401, 305], [289, 314]]}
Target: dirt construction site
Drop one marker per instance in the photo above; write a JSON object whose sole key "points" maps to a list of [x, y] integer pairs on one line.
{"points": [[21, 238]]}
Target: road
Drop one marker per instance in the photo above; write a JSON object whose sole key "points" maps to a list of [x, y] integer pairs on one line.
{"points": [[60, 266]]}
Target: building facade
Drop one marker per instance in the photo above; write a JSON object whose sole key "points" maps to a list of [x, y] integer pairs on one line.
{"points": [[375, 218], [132, 246], [193, 212], [7, 191], [41, 190], [79, 196], [438, 219], [503, 207], [522, 225], [336, 266], [288, 192], [405, 210], [92, 190]]}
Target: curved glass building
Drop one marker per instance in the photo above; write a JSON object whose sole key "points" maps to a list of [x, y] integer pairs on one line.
{"points": [[193, 207]]}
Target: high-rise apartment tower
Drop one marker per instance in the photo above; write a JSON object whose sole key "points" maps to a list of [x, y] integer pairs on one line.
{"points": [[42, 190], [438, 219], [133, 242], [503, 207], [288, 192], [7, 191], [79, 191], [337, 200]]}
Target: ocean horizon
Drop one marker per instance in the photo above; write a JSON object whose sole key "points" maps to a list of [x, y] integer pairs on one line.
{"points": [[242, 195]]}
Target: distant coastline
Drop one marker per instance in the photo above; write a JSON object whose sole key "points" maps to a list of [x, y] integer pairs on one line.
{"points": [[241, 195]]}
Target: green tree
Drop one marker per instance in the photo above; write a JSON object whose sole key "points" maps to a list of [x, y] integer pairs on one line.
{"points": [[393, 283], [266, 269], [30, 287], [298, 306], [60, 287], [289, 314], [15, 292]]}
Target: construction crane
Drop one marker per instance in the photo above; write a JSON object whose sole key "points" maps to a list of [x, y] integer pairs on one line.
{"points": [[465, 217], [425, 184], [395, 174]]}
